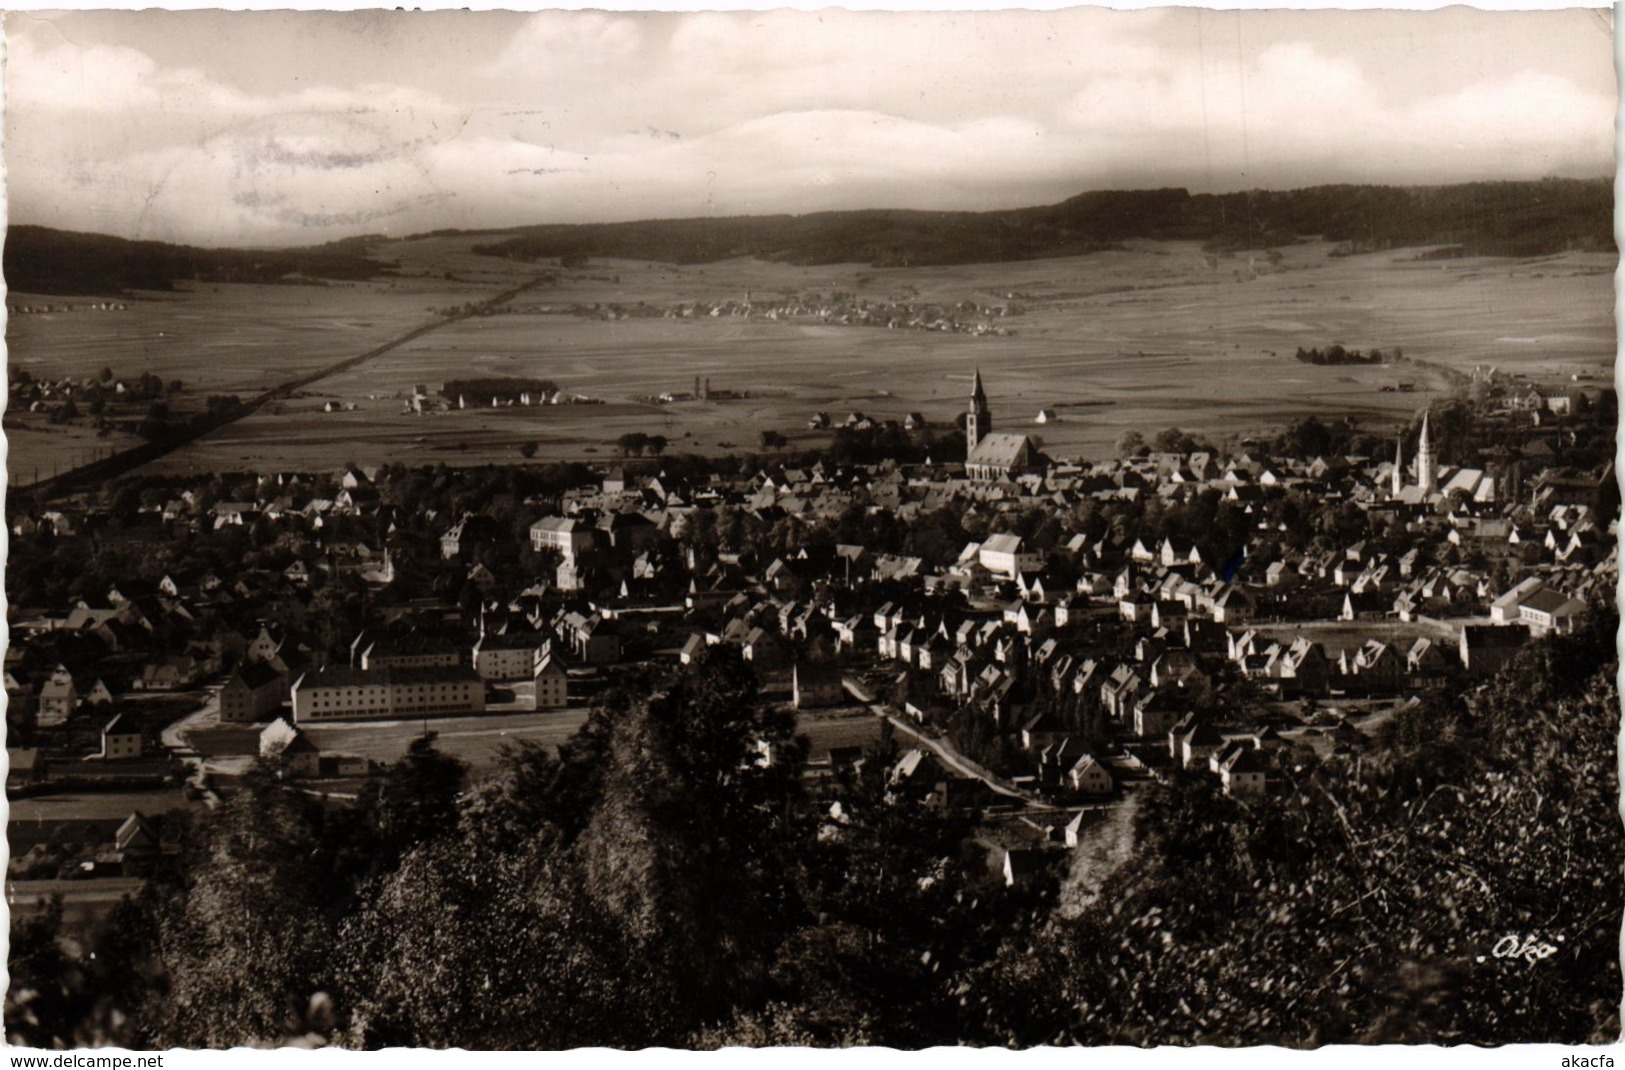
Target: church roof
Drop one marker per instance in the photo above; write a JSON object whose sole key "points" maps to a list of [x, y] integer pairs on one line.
{"points": [[1000, 449]]}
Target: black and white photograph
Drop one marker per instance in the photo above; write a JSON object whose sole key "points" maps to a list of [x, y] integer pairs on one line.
{"points": [[811, 529]]}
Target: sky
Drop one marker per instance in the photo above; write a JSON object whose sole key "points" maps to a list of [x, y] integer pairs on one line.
{"points": [[279, 128]]}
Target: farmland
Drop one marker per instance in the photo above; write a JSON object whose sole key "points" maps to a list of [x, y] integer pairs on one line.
{"points": [[1158, 334]]}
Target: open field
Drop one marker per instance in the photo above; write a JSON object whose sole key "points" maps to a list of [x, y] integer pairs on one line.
{"points": [[95, 805], [226, 337], [216, 339], [37, 449], [1153, 336], [476, 740]]}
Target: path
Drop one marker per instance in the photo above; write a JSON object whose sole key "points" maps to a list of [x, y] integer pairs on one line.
{"points": [[173, 737], [944, 751]]}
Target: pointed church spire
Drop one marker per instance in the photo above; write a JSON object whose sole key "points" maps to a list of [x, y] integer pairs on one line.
{"points": [[1427, 470], [979, 421], [1399, 466]]}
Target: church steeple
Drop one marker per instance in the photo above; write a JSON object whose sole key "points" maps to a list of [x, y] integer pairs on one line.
{"points": [[1427, 469], [1398, 480], [979, 421]]}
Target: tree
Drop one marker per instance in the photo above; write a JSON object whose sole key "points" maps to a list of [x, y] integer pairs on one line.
{"points": [[773, 440], [246, 938], [1130, 443], [1173, 440], [414, 802], [528, 450]]}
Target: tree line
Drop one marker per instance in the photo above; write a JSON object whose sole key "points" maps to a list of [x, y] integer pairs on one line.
{"points": [[1336, 354]]}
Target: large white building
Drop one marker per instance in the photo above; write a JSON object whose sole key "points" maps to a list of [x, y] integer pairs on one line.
{"points": [[1002, 555], [507, 657], [565, 534], [346, 694]]}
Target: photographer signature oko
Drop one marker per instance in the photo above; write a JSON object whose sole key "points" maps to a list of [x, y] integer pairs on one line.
{"points": [[1527, 948]]}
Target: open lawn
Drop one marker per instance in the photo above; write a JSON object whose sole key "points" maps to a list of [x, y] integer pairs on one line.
{"points": [[1156, 335]]}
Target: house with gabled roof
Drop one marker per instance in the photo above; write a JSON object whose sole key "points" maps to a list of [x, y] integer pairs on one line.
{"points": [[1088, 776], [1192, 740], [1245, 774], [552, 682], [58, 698], [254, 690], [815, 685], [285, 744]]}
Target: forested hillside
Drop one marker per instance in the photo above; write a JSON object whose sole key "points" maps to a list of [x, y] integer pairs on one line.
{"points": [[41, 260], [655, 885], [1483, 218]]}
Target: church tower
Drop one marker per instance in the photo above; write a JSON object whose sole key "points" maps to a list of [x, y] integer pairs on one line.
{"points": [[1399, 467], [978, 422], [1427, 469]]}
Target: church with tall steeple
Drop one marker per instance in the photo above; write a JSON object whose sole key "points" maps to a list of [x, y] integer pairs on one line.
{"points": [[978, 421], [991, 455], [1426, 467]]}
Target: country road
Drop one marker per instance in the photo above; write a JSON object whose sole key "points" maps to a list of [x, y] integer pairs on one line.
{"points": [[944, 752]]}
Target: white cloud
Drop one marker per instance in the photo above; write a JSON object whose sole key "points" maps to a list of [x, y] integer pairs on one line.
{"points": [[591, 115], [550, 40]]}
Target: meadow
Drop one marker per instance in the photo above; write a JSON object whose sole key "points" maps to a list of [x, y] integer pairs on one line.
{"points": [[1159, 334]]}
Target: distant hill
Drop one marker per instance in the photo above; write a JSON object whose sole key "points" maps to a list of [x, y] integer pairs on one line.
{"points": [[1483, 218], [46, 261]]}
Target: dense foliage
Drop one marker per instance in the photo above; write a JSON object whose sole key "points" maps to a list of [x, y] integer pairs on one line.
{"points": [[1336, 354]]}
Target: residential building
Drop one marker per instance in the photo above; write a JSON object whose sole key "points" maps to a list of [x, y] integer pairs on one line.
{"points": [[345, 694]]}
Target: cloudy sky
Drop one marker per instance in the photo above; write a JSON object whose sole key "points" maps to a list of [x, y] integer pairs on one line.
{"points": [[279, 127]]}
